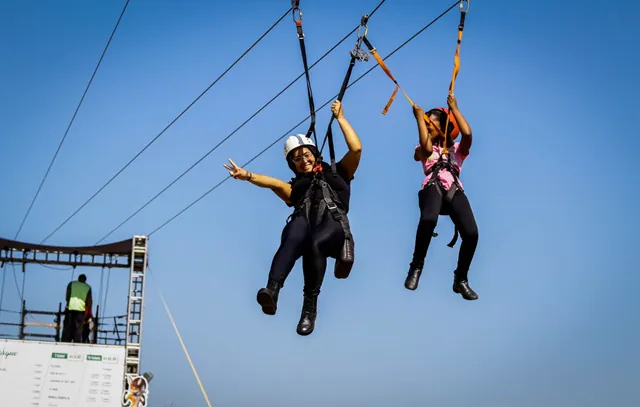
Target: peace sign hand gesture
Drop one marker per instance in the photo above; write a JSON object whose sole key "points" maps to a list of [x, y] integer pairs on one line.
{"points": [[237, 172]]}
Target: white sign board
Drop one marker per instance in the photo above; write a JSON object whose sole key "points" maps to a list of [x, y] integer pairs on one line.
{"points": [[49, 374]]}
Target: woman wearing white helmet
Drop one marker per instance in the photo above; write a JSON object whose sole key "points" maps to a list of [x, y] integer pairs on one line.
{"points": [[317, 229]]}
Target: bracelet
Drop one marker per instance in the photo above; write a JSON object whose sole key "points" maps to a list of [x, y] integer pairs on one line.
{"points": [[250, 176]]}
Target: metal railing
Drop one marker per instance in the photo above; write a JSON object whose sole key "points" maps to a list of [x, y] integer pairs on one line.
{"points": [[107, 331]]}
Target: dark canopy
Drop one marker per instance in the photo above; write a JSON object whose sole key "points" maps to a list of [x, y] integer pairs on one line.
{"points": [[122, 248]]}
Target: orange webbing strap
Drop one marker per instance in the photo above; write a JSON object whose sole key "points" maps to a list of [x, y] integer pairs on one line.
{"points": [[389, 74], [456, 62], [395, 92]]}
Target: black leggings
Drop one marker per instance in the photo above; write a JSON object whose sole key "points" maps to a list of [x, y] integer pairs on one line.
{"points": [[459, 210], [314, 244]]}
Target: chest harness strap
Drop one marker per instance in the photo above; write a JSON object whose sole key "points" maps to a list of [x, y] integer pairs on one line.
{"points": [[443, 164], [331, 202]]}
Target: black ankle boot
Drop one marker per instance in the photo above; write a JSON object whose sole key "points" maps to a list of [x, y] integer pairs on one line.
{"points": [[462, 287], [308, 317], [268, 297], [411, 283]]}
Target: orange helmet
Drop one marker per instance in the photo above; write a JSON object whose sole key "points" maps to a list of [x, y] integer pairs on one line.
{"points": [[456, 130]]}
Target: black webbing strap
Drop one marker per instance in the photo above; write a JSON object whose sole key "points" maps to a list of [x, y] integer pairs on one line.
{"points": [[329, 135], [328, 202], [356, 54], [303, 51]]}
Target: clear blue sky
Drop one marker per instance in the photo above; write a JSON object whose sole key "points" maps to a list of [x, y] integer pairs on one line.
{"points": [[548, 88]]}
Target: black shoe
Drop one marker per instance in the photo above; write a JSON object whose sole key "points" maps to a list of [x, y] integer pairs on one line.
{"points": [[268, 297], [462, 287], [308, 317], [411, 283]]}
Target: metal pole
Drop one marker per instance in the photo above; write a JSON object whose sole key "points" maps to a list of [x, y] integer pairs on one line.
{"points": [[96, 324], [58, 321], [24, 313]]}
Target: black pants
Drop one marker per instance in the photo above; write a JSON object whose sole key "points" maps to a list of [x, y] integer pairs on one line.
{"points": [[86, 332], [314, 243], [73, 326], [459, 210]]}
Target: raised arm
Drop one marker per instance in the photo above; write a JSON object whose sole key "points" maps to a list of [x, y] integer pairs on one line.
{"points": [[351, 159], [423, 133], [279, 187], [465, 129]]}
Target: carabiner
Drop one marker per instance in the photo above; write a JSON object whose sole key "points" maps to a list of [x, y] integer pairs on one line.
{"points": [[293, 13], [462, 8], [357, 52], [363, 23]]}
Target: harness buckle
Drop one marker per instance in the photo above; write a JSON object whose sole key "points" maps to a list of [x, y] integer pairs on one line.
{"points": [[331, 205]]}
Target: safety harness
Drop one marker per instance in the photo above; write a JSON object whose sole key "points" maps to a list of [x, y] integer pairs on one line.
{"points": [[441, 164], [435, 181], [329, 202]]}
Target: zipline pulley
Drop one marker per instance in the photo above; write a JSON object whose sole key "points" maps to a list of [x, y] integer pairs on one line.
{"points": [[357, 52]]}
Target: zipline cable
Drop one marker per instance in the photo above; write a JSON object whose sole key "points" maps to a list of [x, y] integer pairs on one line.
{"points": [[302, 121], [235, 131], [55, 155], [166, 128], [72, 120]]}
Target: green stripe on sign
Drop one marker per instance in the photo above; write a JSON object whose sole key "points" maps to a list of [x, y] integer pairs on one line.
{"points": [[59, 355], [95, 358]]}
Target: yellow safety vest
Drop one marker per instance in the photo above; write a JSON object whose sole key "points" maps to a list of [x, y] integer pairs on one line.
{"points": [[78, 297]]}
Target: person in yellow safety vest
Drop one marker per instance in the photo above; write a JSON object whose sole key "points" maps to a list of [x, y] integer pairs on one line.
{"points": [[78, 308]]}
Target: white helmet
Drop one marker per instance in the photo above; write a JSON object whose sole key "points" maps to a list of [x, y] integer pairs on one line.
{"points": [[296, 141]]}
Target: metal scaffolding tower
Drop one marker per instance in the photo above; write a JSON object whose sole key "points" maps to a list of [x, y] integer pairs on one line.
{"points": [[135, 307]]}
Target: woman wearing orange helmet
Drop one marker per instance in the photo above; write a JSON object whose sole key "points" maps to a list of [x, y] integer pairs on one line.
{"points": [[318, 227], [442, 192]]}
